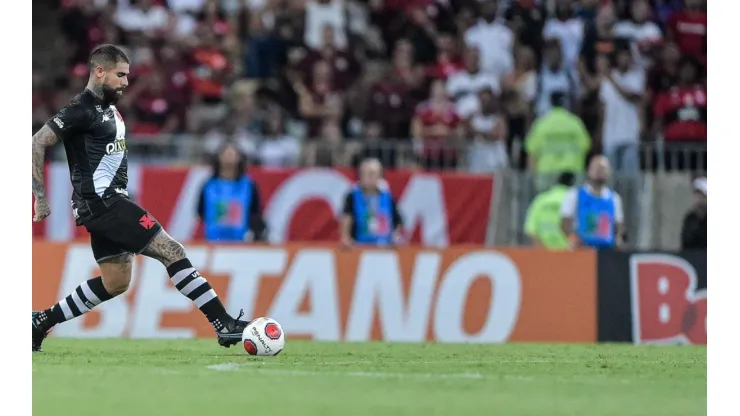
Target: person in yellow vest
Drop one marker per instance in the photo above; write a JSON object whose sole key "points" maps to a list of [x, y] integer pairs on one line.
{"points": [[543, 222], [557, 142]]}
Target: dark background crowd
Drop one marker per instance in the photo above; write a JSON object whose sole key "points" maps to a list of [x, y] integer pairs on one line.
{"points": [[418, 83]]}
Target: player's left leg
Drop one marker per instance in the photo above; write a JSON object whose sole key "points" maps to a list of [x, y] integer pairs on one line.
{"points": [[115, 275]]}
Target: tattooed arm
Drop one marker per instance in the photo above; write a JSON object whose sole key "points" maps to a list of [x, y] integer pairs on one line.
{"points": [[44, 138]]}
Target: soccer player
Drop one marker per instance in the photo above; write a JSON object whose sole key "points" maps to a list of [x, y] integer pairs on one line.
{"points": [[94, 137]]}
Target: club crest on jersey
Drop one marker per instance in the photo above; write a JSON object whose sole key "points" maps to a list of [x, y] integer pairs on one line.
{"points": [[117, 146]]}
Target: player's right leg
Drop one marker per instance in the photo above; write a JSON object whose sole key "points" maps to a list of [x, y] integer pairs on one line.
{"points": [[195, 287], [115, 275]]}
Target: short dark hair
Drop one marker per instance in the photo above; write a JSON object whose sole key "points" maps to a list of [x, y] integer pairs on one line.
{"points": [[558, 99], [567, 178], [107, 56]]}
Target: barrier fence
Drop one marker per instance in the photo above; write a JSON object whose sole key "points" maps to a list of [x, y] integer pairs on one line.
{"points": [[461, 294], [453, 155]]}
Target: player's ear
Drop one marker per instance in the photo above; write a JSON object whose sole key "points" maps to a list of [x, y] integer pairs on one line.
{"points": [[98, 71]]}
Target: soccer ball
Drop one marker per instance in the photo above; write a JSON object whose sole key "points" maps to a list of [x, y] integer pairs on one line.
{"points": [[263, 336]]}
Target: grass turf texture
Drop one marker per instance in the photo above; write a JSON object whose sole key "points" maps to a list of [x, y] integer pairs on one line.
{"points": [[197, 377]]}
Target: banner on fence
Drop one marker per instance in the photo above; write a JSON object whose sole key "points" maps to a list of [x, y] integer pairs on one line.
{"points": [[653, 298], [299, 205], [410, 294]]}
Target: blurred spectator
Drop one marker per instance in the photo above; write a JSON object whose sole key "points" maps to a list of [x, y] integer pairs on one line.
{"points": [[328, 152], [664, 9], [393, 98], [209, 74], [153, 111], [568, 30], [680, 114], [694, 229], [488, 128], [518, 99], [621, 96], [664, 74], [464, 86], [557, 142], [437, 127], [688, 28], [599, 45], [370, 215], [229, 204], [319, 14], [277, 149], [345, 67], [373, 147], [228, 131], [448, 61], [320, 100], [527, 19], [644, 34], [524, 78], [214, 16], [326, 63], [555, 77], [593, 212], [266, 47], [142, 16], [543, 221], [79, 24], [494, 40], [420, 32]]}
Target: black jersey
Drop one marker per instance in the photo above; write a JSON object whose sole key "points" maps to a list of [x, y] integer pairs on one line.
{"points": [[94, 138]]}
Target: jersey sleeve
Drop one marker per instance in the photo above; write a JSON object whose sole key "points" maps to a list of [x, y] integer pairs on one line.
{"points": [[618, 210], [68, 121], [349, 205], [568, 207]]}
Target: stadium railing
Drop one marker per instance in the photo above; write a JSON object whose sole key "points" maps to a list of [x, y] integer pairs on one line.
{"points": [[655, 156]]}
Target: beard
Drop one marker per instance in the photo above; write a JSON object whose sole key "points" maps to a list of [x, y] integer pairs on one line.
{"points": [[111, 95]]}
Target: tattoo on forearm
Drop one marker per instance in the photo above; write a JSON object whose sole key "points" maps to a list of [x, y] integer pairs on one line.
{"points": [[44, 138], [165, 249]]}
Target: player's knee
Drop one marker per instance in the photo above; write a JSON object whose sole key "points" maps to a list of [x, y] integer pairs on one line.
{"points": [[116, 274], [116, 285]]}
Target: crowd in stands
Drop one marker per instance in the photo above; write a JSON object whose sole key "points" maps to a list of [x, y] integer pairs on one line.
{"points": [[470, 84]]}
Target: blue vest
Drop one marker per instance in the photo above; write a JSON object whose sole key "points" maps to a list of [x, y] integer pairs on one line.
{"points": [[226, 208], [595, 217], [373, 217]]}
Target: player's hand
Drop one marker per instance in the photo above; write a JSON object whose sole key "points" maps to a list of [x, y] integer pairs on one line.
{"points": [[41, 209]]}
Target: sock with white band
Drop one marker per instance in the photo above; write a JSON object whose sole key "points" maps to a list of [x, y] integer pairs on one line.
{"points": [[88, 295], [191, 284]]}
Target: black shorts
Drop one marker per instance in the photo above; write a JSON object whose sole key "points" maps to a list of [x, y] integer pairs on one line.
{"points": [[123, 227]]}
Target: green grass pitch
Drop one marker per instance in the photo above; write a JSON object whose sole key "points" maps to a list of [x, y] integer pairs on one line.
{"points": [[197, 377]]}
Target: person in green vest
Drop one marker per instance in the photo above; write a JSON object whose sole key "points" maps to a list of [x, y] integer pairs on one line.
{"points": [[557, 142], [542, 224]]}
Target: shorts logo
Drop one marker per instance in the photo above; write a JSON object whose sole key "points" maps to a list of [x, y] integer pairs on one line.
{"points": [[147, 221], [272, 331]]}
